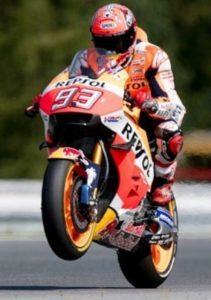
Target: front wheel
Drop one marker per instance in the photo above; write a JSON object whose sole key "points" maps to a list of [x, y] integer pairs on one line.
{"points": [[67, 228], [150, 266]]}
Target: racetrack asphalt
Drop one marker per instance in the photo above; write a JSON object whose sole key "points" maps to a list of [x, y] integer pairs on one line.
{"points": [[30, 270]]}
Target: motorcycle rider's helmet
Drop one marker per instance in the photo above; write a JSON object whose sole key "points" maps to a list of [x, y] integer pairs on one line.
{"points": [[113, 28]]}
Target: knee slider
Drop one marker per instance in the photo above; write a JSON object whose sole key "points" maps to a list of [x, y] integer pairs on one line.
{"points": [[174, 144], [166, 130], [172, 138]]}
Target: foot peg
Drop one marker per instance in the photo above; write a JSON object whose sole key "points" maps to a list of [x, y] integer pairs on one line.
{"points": [[166, 230]]}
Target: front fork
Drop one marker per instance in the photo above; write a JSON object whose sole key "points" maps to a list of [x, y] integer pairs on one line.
{"points": [[89, 189], [92, 168], [97, 159]]}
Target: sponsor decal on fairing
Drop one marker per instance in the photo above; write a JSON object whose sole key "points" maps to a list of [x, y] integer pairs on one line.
{"points": [[135, 230], [128, 132], [71, 153], [119, 238], [112, 119], [83, 80]]}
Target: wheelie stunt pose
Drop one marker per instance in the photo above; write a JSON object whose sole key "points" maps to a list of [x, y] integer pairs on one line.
{"points": [[150, 84], [112, 128]]}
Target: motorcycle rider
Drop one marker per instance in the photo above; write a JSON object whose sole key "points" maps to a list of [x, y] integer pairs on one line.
{"points": [[150, 84]]}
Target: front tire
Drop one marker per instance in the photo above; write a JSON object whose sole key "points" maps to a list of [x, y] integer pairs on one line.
{"points": [[150, 266], [67, 228]]}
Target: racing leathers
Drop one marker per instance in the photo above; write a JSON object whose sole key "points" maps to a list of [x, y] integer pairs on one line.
{"points": [[151, 84]]}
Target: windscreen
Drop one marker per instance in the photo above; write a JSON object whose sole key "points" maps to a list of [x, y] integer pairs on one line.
{"points": [[92, 62]]}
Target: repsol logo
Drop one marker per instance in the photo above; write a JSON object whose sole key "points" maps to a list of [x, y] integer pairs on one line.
{"points": [[135, 86], [80, 80], [131, 135]]}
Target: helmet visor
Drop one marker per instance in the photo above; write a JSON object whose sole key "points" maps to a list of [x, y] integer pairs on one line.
{"points": [[118, 43]]}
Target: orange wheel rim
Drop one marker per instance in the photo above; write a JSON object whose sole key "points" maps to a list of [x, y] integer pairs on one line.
{"points": [[83, 239], [162, 255]]}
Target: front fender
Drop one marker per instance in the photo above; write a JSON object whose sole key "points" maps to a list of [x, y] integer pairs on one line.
{"points": [[84, 167], [65, 153]]}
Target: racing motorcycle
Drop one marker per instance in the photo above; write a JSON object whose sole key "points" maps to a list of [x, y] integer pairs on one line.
{"points": [[96, 187]]}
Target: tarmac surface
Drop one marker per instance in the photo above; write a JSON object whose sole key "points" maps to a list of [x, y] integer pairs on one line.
{"points": [[29, 269]]}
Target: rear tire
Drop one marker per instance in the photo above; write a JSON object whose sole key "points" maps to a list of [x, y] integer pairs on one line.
{"points": [[150, 266], [68, 231]]}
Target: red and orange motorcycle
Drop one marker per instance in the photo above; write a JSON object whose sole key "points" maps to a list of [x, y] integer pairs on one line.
{"points": [[100, 171]]}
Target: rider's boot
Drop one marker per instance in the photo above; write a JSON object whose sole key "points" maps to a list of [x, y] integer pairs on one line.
{"points": [[161, 192]]}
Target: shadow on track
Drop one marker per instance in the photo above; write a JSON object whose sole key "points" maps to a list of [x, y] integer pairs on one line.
{"points": [[53, 288]]}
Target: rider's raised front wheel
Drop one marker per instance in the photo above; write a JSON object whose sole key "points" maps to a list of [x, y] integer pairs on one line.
{"points": [[151, 264], [65, 221]]}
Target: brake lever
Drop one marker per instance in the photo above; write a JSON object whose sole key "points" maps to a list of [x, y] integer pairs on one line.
{"points": [[31, 112]]}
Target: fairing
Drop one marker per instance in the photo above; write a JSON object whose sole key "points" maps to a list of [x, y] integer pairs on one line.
{"points": [[96, 87]]}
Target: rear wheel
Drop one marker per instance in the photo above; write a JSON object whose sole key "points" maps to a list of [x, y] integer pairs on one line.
{"points": [[65, 221], [151, 264]]}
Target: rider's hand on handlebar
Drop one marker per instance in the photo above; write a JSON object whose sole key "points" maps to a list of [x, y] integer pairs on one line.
{"points": [[144, 100], [141, 96], [33, 110]]}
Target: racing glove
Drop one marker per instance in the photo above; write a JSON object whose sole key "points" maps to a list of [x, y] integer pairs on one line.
{"points": [[158, 108]]}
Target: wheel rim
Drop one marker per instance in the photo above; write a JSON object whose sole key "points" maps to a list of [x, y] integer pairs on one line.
{"points": [[80, 237], [163, 256]]}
